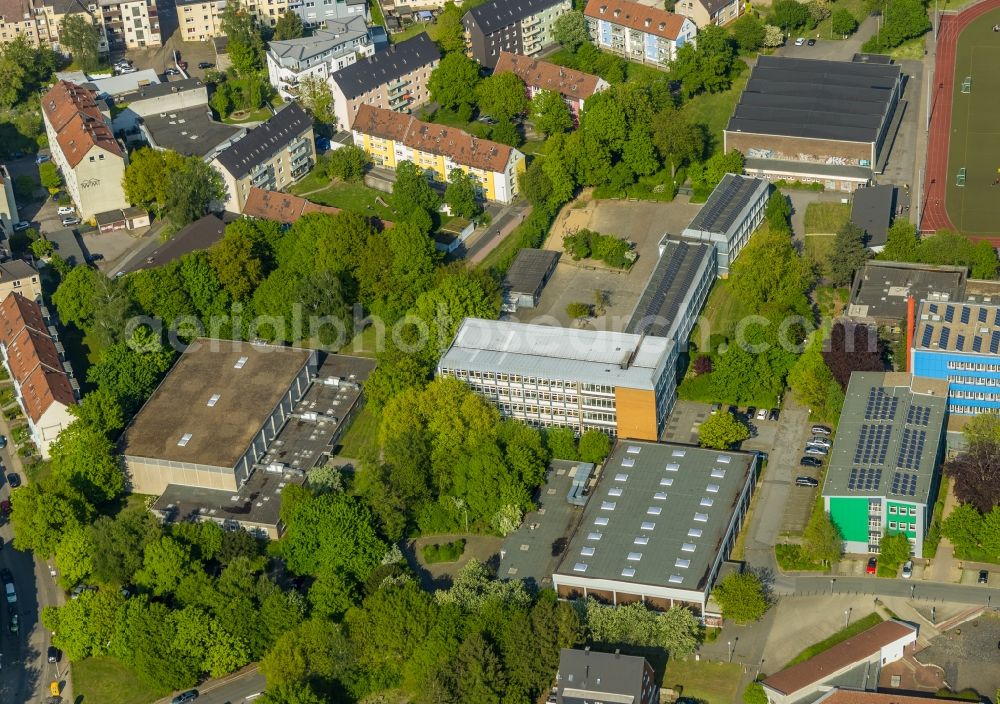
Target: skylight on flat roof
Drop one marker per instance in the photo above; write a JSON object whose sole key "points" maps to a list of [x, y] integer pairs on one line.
{"points": [[640, 540], [660, 496], [706, 502], [608, 505], [694, 532], [648, 525], [633, 449], [688, 547], [653, 511], [675, 579], [621, 477], [185, 439], [682, 563], [723, 459], [634, 556], [241, 362], [601, 521], [615, 491], [712, 488], [587, 551], [594, 535], [580, 567], [628, 572], [718, 473], [628, 462], [214, 400], [678, 453], [667, 481], [701, 517], [673, 467]]}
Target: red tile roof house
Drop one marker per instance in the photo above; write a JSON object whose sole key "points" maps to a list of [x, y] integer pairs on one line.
{"points": [[45, 389], [574, 86], [857, 660]]}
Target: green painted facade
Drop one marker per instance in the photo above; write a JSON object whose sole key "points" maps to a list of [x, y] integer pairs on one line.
{"points": [[850, 515]]}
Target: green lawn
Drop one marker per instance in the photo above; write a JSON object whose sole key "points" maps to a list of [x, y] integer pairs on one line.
{"points": [[721, 313], [912, 50], [449, 118], [830, 301], [361, 435], [826, 218], [709, 682], [715, 109], [862, 624], [817, 249], [858, 8], [350, 196], [791, 557], [312, 181], [104, 680], [255, 116]]}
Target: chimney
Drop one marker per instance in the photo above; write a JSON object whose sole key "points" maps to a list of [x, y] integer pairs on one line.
{"points": [[911, 308]]}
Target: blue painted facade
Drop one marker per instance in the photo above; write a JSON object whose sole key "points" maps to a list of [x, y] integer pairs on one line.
{"points": [[974, 380]]}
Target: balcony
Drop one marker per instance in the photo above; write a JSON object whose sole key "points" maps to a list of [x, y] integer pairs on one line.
{"points": [[400, 100], [301, 171], [397, 85], [260, 176]]}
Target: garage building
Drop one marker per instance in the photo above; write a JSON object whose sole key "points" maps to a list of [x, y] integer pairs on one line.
{"points": [[816, 121]]}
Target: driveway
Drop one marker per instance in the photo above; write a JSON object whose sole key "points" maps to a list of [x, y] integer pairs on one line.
{"points": [[829, 48]]}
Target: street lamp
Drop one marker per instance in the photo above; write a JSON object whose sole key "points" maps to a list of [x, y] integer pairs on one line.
{"points": [[933, 614], [847, 616], [730, 643], [832, 581]]}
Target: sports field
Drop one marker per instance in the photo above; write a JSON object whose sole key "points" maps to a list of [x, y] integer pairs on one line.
{"points": [[974, 205]]}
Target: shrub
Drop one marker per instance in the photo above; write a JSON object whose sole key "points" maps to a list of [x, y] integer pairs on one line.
{"points": [[578, 310], [443, 552]]}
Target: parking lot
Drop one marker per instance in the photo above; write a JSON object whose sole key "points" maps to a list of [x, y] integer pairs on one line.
{"points": [[644, 223]]}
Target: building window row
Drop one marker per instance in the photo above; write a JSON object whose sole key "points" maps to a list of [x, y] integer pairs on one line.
{"points": [[975, 395], [977, 380], [903, 526], [974, 366], [902, 510], [968, 410]]}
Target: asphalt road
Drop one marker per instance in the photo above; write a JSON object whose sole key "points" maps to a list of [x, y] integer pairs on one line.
{"points": [[26, 672], [234, 689], [931, 591]]}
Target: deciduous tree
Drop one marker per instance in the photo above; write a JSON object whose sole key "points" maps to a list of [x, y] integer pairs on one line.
{"points": [[894, 549], [317, 98], [502, 96], [848, 254], [453, 83], [676, 630], [550, 113], [678, 140], [822, 539], [901, 244], [461, 195], [853, 347], [742, 597], [191, 189], [78, 33], [843, 22], [721, 431], [288, 26], [570, 30], [976, 473], [749, 33], [594, 447], [347, 163]]}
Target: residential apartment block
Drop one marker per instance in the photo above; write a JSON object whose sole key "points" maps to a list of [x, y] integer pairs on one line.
{"points": [[958, 343], [128, 24], [271, 156], [323, 53], [619, 383], [707, 12], [199, 20], [8, 206], [317, 13], [647, 35], [575, 87], [883, 471], [394, 79], [518, 26], [729, 216], [391, 138], [43, 381], [18, 276], [91, 160]]}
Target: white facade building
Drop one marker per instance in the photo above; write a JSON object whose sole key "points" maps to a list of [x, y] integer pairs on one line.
{"points": [[324, 53]]}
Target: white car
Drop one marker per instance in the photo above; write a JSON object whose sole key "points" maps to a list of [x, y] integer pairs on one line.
{"points": [[800, 41], [907, 569], [762, 414], [66, 210], [11, 594]]}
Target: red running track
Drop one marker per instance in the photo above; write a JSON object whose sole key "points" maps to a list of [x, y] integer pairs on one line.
{"points": [[935, 216]]}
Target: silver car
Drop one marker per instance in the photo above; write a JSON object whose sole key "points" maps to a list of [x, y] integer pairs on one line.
{"points": [[817, 450], [819, 441]]}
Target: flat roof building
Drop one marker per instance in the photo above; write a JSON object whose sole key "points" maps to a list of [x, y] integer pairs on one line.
{"points": [[619, 383], [189, 131], [959, 343], [872, 209], [816, 121], [676, 291], [589, 676], [201, 234], [730, 215], [882, 476], [881, 289], [658, 526], [526, 277]]}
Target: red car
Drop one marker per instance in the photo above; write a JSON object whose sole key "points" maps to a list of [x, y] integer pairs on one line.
{"points": [[5, 508], [872, 565]]}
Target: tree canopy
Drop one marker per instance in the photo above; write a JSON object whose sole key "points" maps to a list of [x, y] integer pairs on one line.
{"points": [[722, 431], [742, 596]]}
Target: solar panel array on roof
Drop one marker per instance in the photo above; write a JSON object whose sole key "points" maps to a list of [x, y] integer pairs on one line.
{"points": [[726, 202], [864, 478], [904, 484], [977, 344], [995, 342], [911, 449], [949, 313], [960, 343], [881, 406], [873, 444], [673, 278], [945, 335], [996, 318], [965, 315], [982, 315], [926, 339], [918, 415], [932, 307]]}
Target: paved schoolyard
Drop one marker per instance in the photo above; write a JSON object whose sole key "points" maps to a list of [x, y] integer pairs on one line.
{"points": [[642, 222], [968, 654]]}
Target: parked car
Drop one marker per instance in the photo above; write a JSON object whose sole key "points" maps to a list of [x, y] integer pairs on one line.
{"points": [[182, 65], [14, 479], [774, 414], [716, 407], [184, 697], [984, 577], [811, 42], [42, 158], [21, 226], [3, 441], [8, 588], [872, 567], [54, 654], [810, 462], [907, 572], [806, 481], [70, 221], [486, 119], [820, 430], [800, 41], [206, 64], [751, 412], [12, 614], [762, 414], [5, 508], [66, 210], [816, 450], [819, 441], [171, 72]]}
